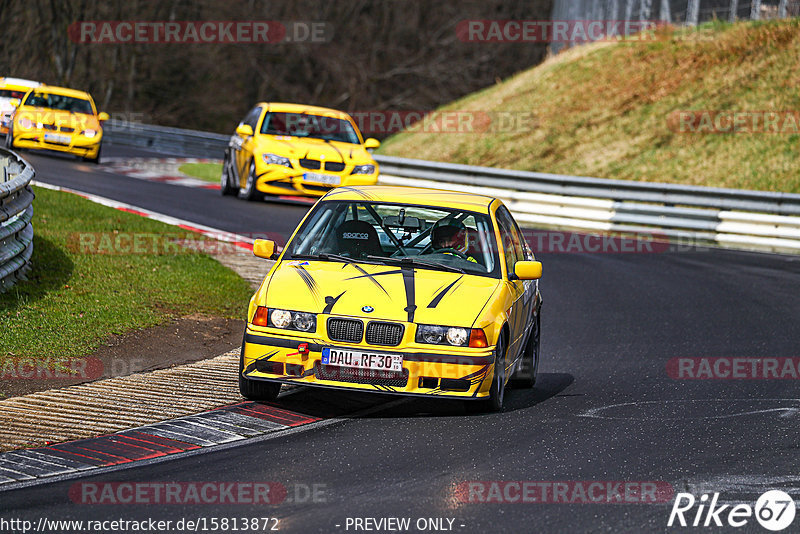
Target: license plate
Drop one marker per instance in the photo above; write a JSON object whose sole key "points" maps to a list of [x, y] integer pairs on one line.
{"points": [[362, 360], [327, 179], [57, 138]]}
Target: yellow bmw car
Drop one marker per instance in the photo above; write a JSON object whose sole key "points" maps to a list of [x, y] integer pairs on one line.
{"points": [[397, 290], [292, 149], [57, 118]]}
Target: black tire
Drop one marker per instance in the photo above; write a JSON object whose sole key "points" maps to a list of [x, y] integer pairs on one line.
{"points": [[493, 403], [10, 139], [249, 191], [95, 159], [525, 376], [256, 390], [225, 181]]}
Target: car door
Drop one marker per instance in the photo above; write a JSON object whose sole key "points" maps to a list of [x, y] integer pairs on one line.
{"points": [[520, 305], [243, 146]]}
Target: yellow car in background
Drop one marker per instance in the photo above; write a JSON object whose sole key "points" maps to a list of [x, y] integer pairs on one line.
{"points": [[292, 149], [12, 89], [397, 290], [57, 118]]}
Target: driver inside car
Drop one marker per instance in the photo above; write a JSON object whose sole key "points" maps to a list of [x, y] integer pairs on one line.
{"points": [[450, 237]]}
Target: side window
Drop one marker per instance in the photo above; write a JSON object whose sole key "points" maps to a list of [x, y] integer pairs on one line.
{"points": [[252, 117], [509, 233]]}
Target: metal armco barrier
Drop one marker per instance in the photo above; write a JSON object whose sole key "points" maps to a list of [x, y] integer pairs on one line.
{"points": [[16, 212], [757, 220]]}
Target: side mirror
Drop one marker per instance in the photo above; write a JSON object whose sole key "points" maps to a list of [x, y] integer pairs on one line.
{"points": [[15, 102], [371, 143], [264, 248], [103, 116], [245, 130], [528, 270]]}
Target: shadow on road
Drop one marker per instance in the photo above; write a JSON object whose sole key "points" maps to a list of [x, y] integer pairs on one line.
{"points": [[326, 403]]}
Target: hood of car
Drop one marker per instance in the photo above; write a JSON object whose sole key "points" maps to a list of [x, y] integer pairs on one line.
{"points": [[380, 292], [77, 121], [316, 149]]}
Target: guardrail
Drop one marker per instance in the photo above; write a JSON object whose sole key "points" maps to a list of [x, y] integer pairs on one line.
{"points": [[758, 220], [164, 139], [16, 212]]}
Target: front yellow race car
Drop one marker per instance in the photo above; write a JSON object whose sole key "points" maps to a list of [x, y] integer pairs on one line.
{"points": [[291, 149], [397, 290], [60, 119]]}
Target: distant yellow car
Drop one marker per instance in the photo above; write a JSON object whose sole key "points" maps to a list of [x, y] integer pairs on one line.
{"points": [[12, 89], [57, 118], [397, 290], [293, 149]]}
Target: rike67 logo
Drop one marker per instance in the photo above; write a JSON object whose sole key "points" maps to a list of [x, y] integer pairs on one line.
{"points": [[774, 510]]}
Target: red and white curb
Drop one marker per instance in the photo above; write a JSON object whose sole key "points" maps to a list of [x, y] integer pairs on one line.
{"points": [[164, 170], [214, 233], [233, 423]]}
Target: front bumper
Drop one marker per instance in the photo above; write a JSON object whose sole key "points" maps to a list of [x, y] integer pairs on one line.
{"points": [[278, 180], [78, 145], [436, 374]]}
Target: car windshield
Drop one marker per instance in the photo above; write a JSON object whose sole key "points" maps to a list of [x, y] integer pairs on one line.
{"points": [[305, 125], [59, 102], [398, 234]]}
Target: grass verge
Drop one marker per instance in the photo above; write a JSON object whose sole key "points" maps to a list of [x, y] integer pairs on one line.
{"points": [[91, 278], [208, 172], [612, 110]]}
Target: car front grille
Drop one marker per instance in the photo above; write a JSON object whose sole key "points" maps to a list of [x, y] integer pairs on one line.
{"points": [[387, 334], [312, 164], [67, 129], [350, 330], [334, 166], [51, 127], [361, 376]]}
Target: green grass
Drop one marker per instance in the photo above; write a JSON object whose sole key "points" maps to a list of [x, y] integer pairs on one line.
{"points": [[608, 110], [76, 298], [208, 172]]}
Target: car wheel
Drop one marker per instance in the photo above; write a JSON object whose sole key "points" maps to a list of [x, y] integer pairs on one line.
{"points": [[226, 186], [494, 403], [249, 192], [256, 390], [525, 376], [95, 159]]}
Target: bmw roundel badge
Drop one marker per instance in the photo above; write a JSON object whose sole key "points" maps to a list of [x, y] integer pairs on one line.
{"points": [[368, 309]]}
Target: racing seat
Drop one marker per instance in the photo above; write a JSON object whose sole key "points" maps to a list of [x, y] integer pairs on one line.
{"points": [[358, 239]]}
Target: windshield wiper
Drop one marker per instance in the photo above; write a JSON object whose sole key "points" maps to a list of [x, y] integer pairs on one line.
{"points": [[413, 262], [328, 257]]}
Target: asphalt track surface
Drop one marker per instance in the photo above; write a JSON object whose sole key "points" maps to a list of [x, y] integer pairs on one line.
{"points": [[604, 409]]}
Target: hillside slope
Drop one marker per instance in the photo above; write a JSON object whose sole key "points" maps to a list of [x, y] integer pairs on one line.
{"points": [[652, 110]]}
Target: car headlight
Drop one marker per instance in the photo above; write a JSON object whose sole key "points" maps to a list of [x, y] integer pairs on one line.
{"points": [[274, 159], [285, 319], [89, 133], [363, 169], [450, 335], [25, 123]]}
